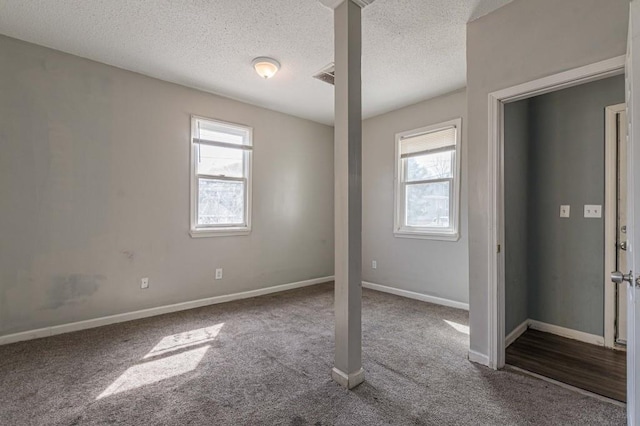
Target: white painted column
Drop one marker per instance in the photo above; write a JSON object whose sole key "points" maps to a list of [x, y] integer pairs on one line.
{"points": [[347, 369]]}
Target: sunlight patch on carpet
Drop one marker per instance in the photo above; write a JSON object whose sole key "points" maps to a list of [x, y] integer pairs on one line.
{"points": [[154, 371], [185, 340], [458, 327], [165, 367]]}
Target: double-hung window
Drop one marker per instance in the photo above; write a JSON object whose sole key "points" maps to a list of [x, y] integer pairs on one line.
{"points": [[427, 195], [220, 178]]}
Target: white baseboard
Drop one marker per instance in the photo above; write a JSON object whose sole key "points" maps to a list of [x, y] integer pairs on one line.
{"points": [[145, 313], [517, 332], [416, 296], [478, 358], [567, 332]]}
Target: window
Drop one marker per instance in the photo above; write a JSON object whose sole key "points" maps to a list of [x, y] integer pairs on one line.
{"points": [[220, 178], [428, 182]]}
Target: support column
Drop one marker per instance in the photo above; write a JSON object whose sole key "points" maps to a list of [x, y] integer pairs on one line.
{"points": [[347, 369]]}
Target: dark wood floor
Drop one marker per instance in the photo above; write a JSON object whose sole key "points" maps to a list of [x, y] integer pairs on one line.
{"points": [[593, 368]]}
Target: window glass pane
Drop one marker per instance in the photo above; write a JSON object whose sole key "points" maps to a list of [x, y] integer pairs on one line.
{"points": [[216, 160], [220, 202], [427, 205], [430, 166]]}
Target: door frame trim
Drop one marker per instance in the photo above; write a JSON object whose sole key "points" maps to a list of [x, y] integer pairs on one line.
{"points": [[573, 77], [610, 219]]}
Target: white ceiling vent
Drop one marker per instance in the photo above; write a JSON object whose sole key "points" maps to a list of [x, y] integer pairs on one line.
{"points": [[327, 74]]}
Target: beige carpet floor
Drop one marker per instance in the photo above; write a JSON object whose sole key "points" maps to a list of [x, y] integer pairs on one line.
{"points": [[267, 361]]}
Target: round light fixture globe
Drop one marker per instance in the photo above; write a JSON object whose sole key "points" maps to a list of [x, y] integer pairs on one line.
{"points": [[266, 67]]}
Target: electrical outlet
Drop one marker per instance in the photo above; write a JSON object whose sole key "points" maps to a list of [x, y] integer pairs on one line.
{"points": [[144, 283], [374, 264], [565, 211], [592, 211], [219, 274]]}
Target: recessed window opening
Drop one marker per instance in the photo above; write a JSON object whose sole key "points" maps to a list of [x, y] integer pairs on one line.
{"points": [[428, 182], [221, 178]]}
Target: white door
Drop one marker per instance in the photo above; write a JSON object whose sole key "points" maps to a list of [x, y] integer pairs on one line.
{"points": [[633, 218], [621, 229]]}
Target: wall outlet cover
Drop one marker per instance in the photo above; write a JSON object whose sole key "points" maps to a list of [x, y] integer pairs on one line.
{"points": [[144, 283], [565, 211], [592, 211], [374, 264], [218, 273]]}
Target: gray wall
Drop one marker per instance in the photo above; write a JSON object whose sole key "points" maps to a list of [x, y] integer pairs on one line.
{"points": [[562, 259], [516, 190], [567, 167], [436, 268], [520, 42], [94, 177]]}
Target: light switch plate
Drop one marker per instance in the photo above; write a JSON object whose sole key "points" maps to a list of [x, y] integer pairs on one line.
{"points": [[565, 211], [592, 211]]}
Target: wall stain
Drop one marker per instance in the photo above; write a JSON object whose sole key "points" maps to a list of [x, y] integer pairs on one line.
{"points": [[68, 289], [129, 254]]}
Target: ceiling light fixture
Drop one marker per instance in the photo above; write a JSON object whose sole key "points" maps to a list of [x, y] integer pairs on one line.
{"points": [[266, 67]]}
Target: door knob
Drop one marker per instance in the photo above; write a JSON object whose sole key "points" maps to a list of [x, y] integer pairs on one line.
{"points": [[618, 277]]}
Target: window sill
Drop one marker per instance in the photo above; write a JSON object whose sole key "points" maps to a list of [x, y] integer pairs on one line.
{"points": [[219, 232], [422, 235]]}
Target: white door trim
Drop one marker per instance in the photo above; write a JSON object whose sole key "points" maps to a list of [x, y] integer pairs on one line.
{"points": [[574, 77], [610, 221]]}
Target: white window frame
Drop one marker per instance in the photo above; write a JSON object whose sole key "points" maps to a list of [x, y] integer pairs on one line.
{"points": [[216, 230], [400, 229]]}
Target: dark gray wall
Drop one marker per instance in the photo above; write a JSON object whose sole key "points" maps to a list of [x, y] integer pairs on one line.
{"points": [[516, 188], [567, 167], [563, 258]]}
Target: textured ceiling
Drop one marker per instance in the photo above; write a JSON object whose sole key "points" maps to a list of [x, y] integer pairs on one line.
{"points": [[412, 49]]}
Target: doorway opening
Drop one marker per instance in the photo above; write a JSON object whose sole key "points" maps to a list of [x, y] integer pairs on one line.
{"points": [[556, 282]]}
